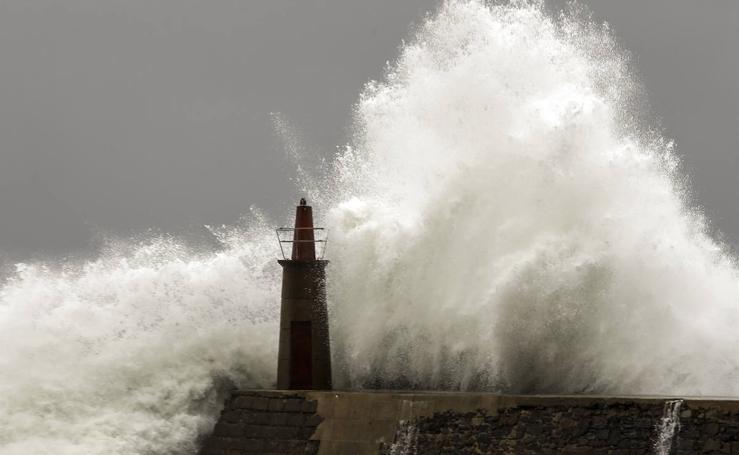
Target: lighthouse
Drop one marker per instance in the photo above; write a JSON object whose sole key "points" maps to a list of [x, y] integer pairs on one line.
{"points": [[304, 358]]}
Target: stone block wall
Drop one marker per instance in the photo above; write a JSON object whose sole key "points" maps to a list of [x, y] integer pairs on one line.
{"points": [[708, 428], [597, 429], [265, 423], [397, 423]]}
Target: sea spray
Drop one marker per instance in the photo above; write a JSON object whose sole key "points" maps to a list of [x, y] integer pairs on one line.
{"points": [[498, 225], [127, 354], [668, 427], [498, 222], [406, 440]]}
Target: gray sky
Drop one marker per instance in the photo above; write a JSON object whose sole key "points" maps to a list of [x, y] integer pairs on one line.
{"points": [[128, 115]]}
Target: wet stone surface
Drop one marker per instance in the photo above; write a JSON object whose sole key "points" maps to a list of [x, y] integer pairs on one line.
{"points": [[270, 423], [265, 424], [619, 429]]}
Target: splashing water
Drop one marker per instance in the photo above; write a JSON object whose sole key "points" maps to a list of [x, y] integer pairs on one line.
{"points": [[124, 355], [406, 442], [504, 225], [668, 427], [499, 222]]}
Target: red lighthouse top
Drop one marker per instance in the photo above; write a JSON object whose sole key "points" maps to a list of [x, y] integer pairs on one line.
{"points": [[303, 238], [304, 242]]}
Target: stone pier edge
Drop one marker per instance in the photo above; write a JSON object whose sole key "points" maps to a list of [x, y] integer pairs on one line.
{"points": [[372, 422]]}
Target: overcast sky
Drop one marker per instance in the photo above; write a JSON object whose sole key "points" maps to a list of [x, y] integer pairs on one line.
{"points": [[128, 115]]}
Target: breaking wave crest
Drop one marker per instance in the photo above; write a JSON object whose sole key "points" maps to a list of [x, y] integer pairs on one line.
{"points": [[505, 224], [129, 354]]}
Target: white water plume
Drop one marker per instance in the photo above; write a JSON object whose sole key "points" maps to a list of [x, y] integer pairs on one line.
{"points": [[127, 354], [668, 427], [502, 223], [406, 440], [499, 222]]}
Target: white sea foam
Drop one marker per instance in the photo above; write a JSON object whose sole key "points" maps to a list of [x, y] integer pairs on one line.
{"points": [[499, 222], [125, 354], [503, 224], [668, 427]]}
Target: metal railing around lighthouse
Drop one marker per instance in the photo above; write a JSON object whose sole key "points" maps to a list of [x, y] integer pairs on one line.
{"points": [[293, 239]]}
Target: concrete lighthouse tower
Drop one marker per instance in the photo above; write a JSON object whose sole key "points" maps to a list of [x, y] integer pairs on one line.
{"points": [[304, 359]]}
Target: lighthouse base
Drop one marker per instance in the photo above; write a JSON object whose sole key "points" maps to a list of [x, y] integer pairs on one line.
{"points": [[304, 358]]}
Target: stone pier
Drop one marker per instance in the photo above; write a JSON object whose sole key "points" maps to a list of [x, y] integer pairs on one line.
{"points": [[398, 423]]}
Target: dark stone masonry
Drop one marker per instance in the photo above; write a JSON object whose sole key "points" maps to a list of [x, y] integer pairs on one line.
{"points": [[264, 423], [597, 429], [393, 423]]}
